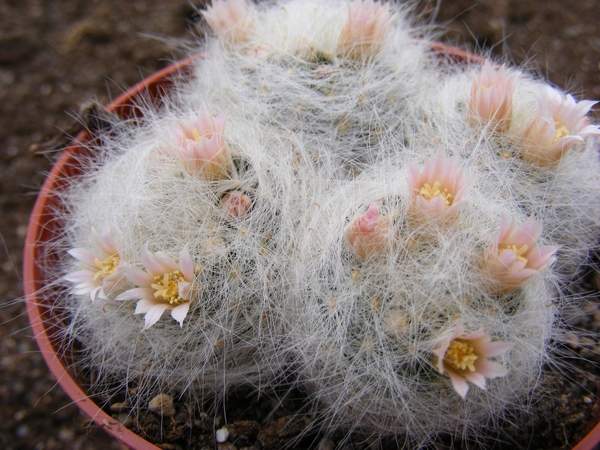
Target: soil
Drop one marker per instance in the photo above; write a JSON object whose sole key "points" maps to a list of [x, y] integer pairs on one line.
{"points": [[57, 55]]}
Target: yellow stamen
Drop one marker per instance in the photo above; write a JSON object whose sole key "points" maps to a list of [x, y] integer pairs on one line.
{"points": [[106, 267], [167, 287], [561, 132], [460, 355], [519, 252], [428, 192], [197, 137]]}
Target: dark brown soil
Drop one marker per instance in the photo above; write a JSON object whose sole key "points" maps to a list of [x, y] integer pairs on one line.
{"points": [[58, 54]]}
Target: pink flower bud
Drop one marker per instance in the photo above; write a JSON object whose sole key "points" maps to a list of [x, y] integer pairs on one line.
{"points": [[365, 28], [229, 19], [492, 95], [369, 233], [236, 203], [200, 144]]}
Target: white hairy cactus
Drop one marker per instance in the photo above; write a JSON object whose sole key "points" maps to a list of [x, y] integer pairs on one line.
{"points": [[326, 190]]}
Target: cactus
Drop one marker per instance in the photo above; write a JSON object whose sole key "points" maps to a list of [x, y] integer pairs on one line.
{"points": [[326, 193]]}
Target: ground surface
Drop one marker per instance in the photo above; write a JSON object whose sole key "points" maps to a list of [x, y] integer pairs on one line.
{"points": [[57, 54]]}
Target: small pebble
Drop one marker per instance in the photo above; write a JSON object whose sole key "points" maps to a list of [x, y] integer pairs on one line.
{"points": [[572, 340], [66, 435], [222, 434], [326, 444], [119, 407], [22, 431], [162, 404]]}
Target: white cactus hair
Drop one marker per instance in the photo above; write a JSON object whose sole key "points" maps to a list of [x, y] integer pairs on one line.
{"points": [[149, 202], [366, 328], [315, 137]]}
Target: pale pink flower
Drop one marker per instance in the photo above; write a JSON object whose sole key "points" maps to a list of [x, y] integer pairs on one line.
{"points": [[439, 187], [492, 95], [369, 234], [559, 125], [236, 203], [464, 358], [229, 19], [514, 256], [165, 285], [100, 268], [201, 145], [365, 28]]}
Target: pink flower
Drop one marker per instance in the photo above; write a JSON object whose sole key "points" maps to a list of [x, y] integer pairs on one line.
{"points": [[559, 125], [369, 233], [439, 187], [464, 358], [200, 144], [230, 20], [491, 96], [236, 203], [165, 285], [101, 269], [365, 28], [513, 256]]}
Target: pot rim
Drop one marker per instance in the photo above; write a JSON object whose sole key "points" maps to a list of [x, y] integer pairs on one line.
{"points": [[38, 232]]}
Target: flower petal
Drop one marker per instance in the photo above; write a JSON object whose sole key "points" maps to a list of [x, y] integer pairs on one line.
{"points": [[542, 257], [97, 292], [185, 290], [80, 276], [180, 312], [136, 294], [186, 263], [105, 242], [476, 378], [158, 263], [138, 276], [144, 305], [589, 129], [459, 384], [154, 314], [490, 369], [84, 255], [492, 348]]}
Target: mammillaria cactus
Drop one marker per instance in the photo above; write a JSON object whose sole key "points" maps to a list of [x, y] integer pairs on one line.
{"points": [[327, 195]]}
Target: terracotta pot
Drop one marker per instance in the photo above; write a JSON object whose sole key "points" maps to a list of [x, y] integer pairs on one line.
{"points": [[43, 229]]}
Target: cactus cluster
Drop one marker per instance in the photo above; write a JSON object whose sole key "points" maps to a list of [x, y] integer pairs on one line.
{"points": [[329, 194]]}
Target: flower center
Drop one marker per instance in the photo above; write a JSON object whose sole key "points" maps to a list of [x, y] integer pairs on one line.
{"points": [[519, 252], [167, 287], [460, 355], [561, 132], [106, 267], [197, 136], [428, 192]]}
